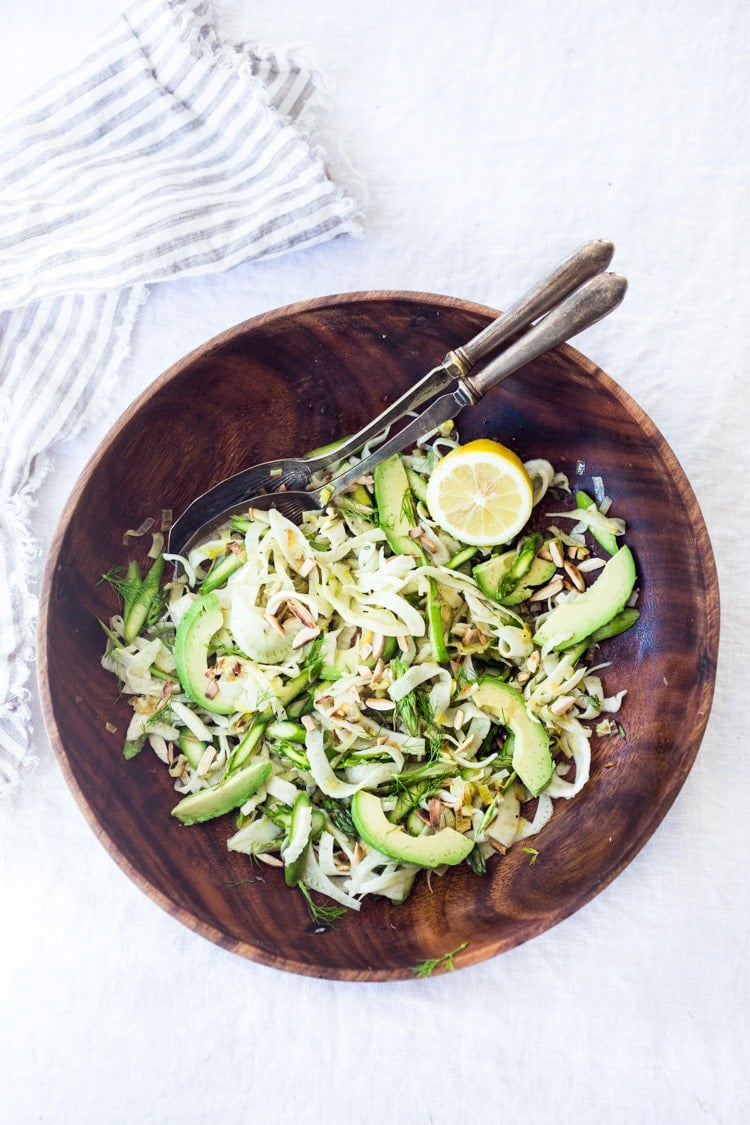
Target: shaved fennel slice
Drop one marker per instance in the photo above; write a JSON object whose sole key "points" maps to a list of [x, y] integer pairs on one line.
{"points": [[327, 781], [282, 789], [302, 821], [316, 879], [375, 874], [543, 814], [542, 474], [580, 747], [255, 837], [592, 519]]}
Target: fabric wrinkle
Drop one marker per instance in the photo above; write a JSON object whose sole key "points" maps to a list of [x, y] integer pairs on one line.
{"points": [[166, 153]]}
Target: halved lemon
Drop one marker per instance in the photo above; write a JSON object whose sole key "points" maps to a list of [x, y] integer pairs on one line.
{"points": [[480, 493]]}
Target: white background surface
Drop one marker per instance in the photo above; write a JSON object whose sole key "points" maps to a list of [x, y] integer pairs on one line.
{"points": [[493, 138]]}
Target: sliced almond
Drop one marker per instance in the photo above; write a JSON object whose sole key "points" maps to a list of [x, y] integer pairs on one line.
{"points": [[380, 704], [269, 860], [548, 591], [556, 553], [575, 576], [274, 622], [301, 612], [304, 637]]}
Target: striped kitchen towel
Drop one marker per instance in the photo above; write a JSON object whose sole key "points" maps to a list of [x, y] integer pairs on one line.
{"points": [[164, 154]]}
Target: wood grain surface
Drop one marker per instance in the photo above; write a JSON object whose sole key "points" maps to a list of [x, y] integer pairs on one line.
{"points": [[294, 379]]}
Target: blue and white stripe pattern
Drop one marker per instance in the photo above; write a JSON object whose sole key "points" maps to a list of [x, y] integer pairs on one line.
{"points": [[163, 154]]}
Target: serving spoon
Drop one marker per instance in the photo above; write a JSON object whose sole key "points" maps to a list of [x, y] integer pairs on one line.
{"points": [[295, 474], [588, 304]]}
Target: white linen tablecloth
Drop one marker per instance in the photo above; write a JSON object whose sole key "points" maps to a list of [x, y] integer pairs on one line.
{"points": [[492, 138]]}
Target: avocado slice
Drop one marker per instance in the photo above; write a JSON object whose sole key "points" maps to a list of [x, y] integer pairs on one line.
{"points": [[296, 839], [444, 847], [397, 516], [194, 633], [489, 574], [531, 760], [575, 620], [228, 794], [540, 572], [396, 512], [191, 747]]}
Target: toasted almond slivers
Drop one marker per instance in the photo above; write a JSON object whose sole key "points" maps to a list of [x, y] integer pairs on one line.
{"points": [[575, 576], [274, 603], [378, 645], [556, 553], [548, 591], [578, 551], [308, 722], [275, 623], [302, 613], [304, 636], [592, 563], [305, 567], [380, 704], [377, 671], [207, 760], [269, 860]]}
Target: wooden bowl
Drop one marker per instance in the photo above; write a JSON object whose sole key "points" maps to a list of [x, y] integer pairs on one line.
{"points": [[294, 379]]}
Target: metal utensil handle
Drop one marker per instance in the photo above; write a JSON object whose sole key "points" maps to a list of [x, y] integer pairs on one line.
{"points": [[586, 262], [585, 307], [436, 380], [590, 303]]}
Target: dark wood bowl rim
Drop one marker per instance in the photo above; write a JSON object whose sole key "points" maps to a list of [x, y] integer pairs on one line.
{"points": [[486, 950]]}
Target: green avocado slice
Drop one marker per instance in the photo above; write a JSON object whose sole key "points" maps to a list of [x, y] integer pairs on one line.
{"points": [[396, 511], [201, 622], [222, 798], [574, 621], [531, 760], [397, 516], [444, 847], [489, 574]]}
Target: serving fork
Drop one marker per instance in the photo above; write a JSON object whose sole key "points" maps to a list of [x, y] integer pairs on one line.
{"points": [[573, 297]]}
